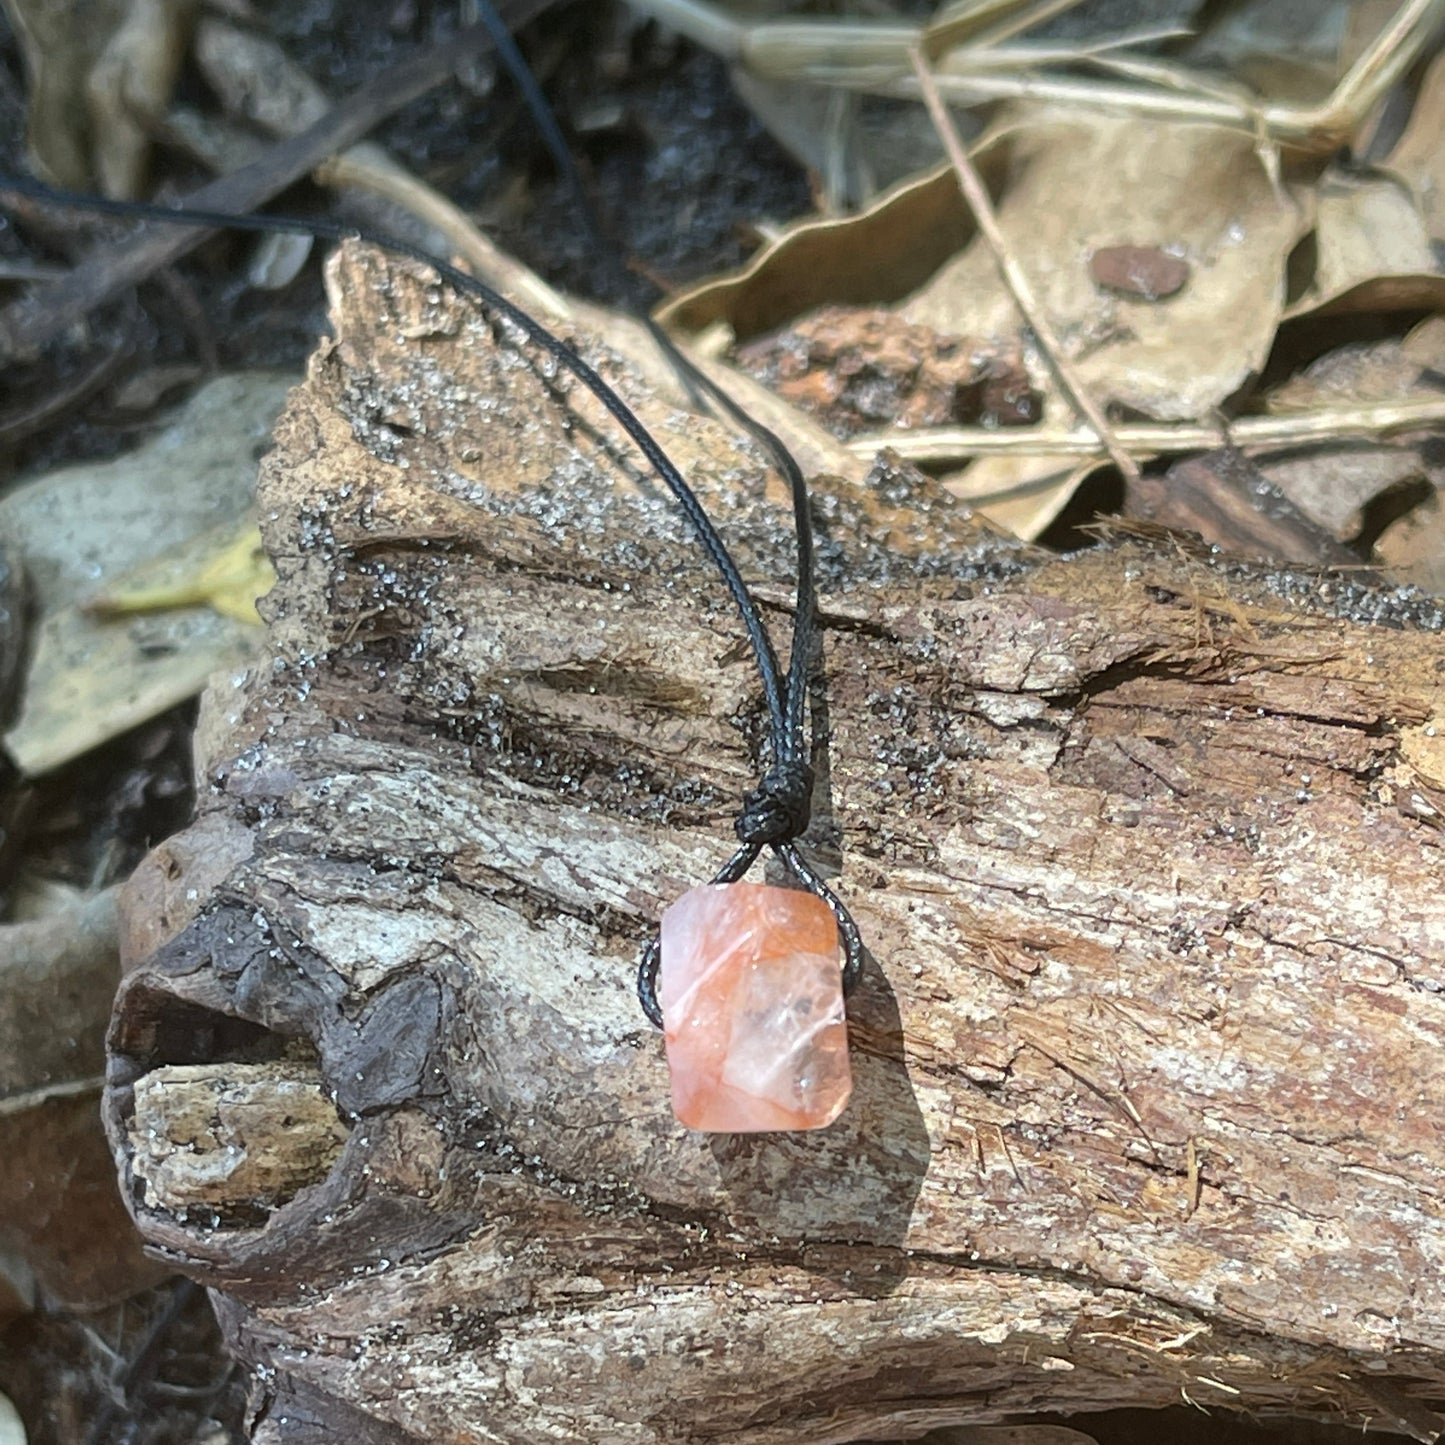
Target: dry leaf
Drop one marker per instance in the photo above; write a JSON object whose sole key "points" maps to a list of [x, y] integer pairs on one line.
{"points": [[1359, 372], [92, 680], [1372, 252], [228, 572], [1288, 50], [129, 86], [1022, 494], [1424, 347], [84, 527], [59, 1209], [1198, 191], [1412, 549], [1332, 483], [874, 258], [1418, 157], [97, 84], [58, 56], [81, 525]]}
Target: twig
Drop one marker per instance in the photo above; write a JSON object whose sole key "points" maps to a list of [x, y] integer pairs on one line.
{"points": [[982, 208], [1315, 128], [28, 325], [15, 1104], [870, 56], [1373, 422], [989, 29], [144, 1360]]}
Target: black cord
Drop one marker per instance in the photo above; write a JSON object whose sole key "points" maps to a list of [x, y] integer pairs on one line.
{"points": [[545, 119], [773, 685], [778, 810]]}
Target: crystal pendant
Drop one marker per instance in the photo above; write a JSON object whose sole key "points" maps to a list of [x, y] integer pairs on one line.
{"points": [[752, 1004]]}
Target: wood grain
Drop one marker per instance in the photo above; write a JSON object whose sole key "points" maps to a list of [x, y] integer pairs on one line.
{"points": [[1145, 845]]}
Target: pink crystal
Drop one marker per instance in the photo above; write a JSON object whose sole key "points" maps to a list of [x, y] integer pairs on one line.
{"points": [[752, 1003]]}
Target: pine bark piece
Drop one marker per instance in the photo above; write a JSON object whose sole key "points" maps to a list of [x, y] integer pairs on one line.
{"points": [[858, 368], [1145, 846]]}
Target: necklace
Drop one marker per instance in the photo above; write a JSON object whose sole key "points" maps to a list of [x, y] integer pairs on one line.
{"points": [[746, 980]]}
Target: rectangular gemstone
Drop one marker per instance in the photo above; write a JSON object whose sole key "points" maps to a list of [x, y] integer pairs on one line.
{"points": [[751, 989]]}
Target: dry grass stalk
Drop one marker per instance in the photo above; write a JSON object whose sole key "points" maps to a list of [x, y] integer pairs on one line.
{"points": [[977, 197], [1189, 98], [930, 446], [873, 57]]}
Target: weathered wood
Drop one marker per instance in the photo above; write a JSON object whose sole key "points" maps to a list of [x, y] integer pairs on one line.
{"points": [[1146, 847]]}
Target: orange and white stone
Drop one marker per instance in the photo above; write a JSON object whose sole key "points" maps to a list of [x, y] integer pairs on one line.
{"points": [[751, 990]]}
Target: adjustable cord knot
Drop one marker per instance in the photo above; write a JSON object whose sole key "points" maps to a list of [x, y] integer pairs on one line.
{"points": [[778, 809]]}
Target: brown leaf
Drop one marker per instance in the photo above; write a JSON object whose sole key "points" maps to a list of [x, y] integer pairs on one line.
{"points": [[1228, 502], [60, 1210], [873, 258], [1413, 549], [1372, 251], [1198, 190]]}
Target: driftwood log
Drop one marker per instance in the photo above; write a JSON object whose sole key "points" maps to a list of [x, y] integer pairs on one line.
{"points": [[1146, 846]]}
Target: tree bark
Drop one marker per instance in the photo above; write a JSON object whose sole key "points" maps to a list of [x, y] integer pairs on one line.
{"points": [[1145, 846]]}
